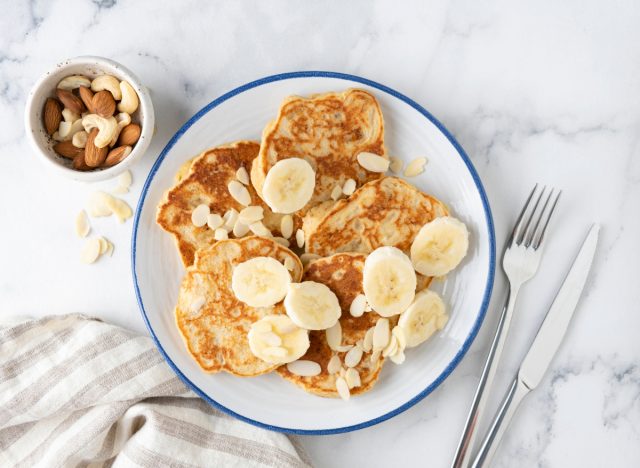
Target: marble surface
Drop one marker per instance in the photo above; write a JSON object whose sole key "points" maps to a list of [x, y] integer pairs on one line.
{"points": [[543, 91]]}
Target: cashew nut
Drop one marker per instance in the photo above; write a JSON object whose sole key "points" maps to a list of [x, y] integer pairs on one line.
{"points": [[108, 82], [123, 120], [69, 115], [79, 140], [129, 102], [66, 130], [74, 81], [106, 128]]}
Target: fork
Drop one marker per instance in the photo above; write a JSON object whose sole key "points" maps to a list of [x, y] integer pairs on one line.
{"points": [[520, 263]]}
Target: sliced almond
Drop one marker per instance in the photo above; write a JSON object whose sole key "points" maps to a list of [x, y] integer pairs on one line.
{"points": [[398, 357], [282, 241], [352, 377], [367, 343], [336, 192], [125, 179], [304, 368], [220, 234], [415, 167], [120, 208], [214, 220], [334, 365], [104, 245], [242, 175], [395, 165], [199, 215], [342, 372], [300, 238], [286, 226], [349, 187], [356, 309], [230, 219], [353, 357], [239, 193], [90, 251], [240, 229], [400, 337], [373, 162], [305, 258], [375, 356], [82, 224], [109, 249], [97, 205], [334, 336], [391, 348], [381, 334], [289, 263], [343, 388], [259, 229], [251, 214]]}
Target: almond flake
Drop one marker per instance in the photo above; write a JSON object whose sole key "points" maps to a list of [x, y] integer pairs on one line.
{"points": [[240, 229], [281, 241], [398, 357], [381, 334], [97, 205], [342, 372], [367, 343], [336, 192], [259, 229], [304, 368], [119, 208], [199, 215], [391, 348], [305, 258], [286, 226], [395, 165], [373, 162], [82, 224], [352, 377], [109, 249], [353, 357], [400, 337], [251, 214], [357, 306], [342, 388], [415, 167], [214, 221], [124, 179], [375, 356], [344, 348], [271, 338], [242, 175], [230, 218], [349, 187], [220, 234], [90, 251], [104, 245], [239, 193], [334, 336], [334, 365], [289, 263], [300, 237], [368, 308]]}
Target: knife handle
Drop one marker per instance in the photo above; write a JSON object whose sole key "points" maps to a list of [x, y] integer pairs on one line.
{"points": [[510, 403]]}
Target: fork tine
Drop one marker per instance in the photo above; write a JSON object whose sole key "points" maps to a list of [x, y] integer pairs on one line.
{"points": [[532, 233], [516, 230], [525, 233], [538, 241]]}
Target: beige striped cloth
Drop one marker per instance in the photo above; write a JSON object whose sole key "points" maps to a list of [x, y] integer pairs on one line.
{"points": [[75, 391]]}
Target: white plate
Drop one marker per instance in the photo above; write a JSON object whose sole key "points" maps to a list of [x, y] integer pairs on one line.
{"points": [[269, 401]]}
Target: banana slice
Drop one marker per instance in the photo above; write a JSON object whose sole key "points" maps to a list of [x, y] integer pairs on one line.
{"points": [[289, 185], [423, 318], [277, 340], [260, 282], [389, 281], [312, 305], [439, 246]]}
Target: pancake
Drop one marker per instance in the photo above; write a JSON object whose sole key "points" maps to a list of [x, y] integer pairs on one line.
{"points": [[342, 273], [328, 131], [212, 321], [206, 182]]}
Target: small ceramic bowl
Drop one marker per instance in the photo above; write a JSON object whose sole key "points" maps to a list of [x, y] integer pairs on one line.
{"points": [[90, 67]]}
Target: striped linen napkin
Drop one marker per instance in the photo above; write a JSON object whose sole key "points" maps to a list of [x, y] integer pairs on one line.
{"points": [[75, 391]]}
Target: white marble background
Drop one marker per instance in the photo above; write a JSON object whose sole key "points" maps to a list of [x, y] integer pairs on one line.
{"points": [[535, 91]]}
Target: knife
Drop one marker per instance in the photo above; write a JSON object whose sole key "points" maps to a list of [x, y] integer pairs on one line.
{"points": [[544, 347]]}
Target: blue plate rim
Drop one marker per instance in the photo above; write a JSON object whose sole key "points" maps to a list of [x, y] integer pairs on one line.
{"points": [[488, 218]]}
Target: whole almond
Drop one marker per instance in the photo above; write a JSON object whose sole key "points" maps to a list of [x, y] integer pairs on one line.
{"points": [[67, 150], [116, 155], [86, 95], [129, 135], [52, 115], [93, 155], [103, 104], [70, 101], [79, 163]]}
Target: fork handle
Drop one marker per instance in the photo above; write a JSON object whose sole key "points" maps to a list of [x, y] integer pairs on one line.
{"points": [[465, 446]]}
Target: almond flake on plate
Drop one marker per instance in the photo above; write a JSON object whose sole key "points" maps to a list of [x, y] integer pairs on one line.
{"points": [[199, 215], [334, 336], [353, 357], [282, 241], [400, 336], [286, 226], [82, 224], [343, 388], [305, 258], [90, 251], [367, 343], [304, 368], [395, 165], [349, 187], [259, 229], [97, 205], [220, 234], [334, 365], [240, 229], [104, 245], [358, 305], [375, 356], [352, 377], [214, 221], [336, 192], [230, 218], [300, 237], [289, 263], [381, 334], [125, 179], [391, 348], [119, 190], [415, 167], [120, 208], [251, 214], [239, 193], [373, 162], [398, 357], [242, 175], [109, 249]]}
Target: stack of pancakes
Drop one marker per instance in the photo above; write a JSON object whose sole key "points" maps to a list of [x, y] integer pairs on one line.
{"points": [[330, 130]]}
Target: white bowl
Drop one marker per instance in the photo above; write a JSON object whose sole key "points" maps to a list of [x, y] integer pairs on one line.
{"points": [[45, 87]]}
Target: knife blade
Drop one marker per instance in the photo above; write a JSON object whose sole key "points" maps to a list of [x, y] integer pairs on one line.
{"points": [[553, 328]]}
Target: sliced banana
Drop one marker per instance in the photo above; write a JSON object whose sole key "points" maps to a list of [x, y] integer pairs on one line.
{"points": [[423, 318], [389, 281], [289, 185], [312, 305], [292, 341], [439, 246], [260, 282]]}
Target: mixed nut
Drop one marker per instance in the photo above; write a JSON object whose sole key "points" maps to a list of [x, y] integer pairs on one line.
{"points": [[91, 120]]}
